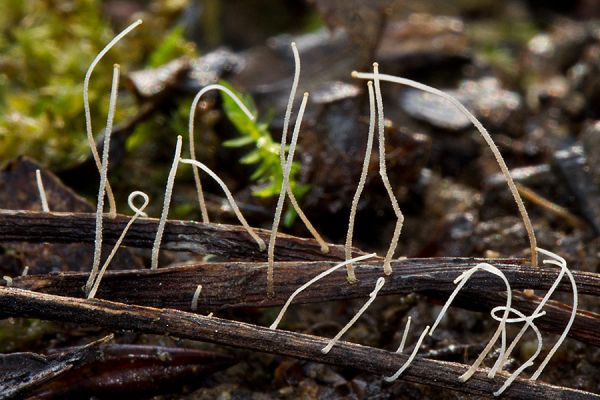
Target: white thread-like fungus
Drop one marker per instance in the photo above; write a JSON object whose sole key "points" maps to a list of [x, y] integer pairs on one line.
{"points": [[404, 335], [42, 191], [486, 136], [25, 271], [311, 282], [462, 280], [88, 116], [232, 203], [387, 266], [529, 362], [193, 108], [372, 296], [286, 122], [194, 306], [139, 211], [361, 183], [112, 105], [281, 199], [166, 205], [410, 358]]}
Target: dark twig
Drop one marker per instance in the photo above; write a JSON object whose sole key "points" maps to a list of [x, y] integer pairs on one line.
{"points": [[23, 303], [228, 285], [229, 241]]}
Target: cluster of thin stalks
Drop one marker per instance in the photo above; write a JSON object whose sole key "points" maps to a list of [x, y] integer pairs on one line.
{"points": [[500, 314]]}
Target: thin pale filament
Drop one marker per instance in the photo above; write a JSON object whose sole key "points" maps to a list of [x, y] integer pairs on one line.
{"points": [[232, 203], [410, 358], [387, 266], [404, 335], [87, 112], [195, 297], [529, 362], [361, 183], [372, 296], [486, 136], [281, 199], [138, 212], [42, 191], [311, 282], [501, 330], [193, 108], [112, 105], [286, 122], [539, 307], [562, 263], [166, 205]]}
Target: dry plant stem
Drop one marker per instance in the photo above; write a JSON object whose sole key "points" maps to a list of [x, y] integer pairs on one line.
{"points": [[116, 316], [88, 116], [40, 185], [372, 296], [551, 207], [166, 205], [286, 123], [361, 183], [281, 199], [232, 203], [192, 119], [103, 178], [486, 136], [138, 212], [311, 282], [387, 267], [410, 358]]}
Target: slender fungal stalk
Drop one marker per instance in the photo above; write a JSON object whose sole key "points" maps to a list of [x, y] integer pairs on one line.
{"points": [[529, 362], [166, 205], [40, 185], [486, 136], [372, 296], [286, 122], [387, 266], [563, 264], [193, 108], [232, 203], [404, 335], [112, 105], [281, 199], [194, 305], [138, 212], [501, 330], [88, 116], [311, 282], [361, 183], [410, 358]]}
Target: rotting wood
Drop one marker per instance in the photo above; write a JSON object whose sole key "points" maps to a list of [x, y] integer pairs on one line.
{"points": [[230, 241], [240, 284], [22, 303]]}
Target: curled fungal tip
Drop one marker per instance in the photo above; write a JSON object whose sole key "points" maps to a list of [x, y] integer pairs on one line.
{"points": [[116, 66], [375, 65], [138, 21], [293, 44], [135, 209], [354, 74], [305, 94], [370, 83]]}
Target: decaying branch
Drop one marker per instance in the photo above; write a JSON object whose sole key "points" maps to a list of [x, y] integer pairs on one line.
{"points": [[229, 241], [113, 315], [240, 284]]}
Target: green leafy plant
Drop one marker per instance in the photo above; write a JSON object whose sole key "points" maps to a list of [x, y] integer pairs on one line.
{"points": [[263, 152]]}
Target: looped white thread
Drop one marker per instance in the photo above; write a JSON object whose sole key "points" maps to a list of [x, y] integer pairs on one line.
{"points": [[140, 210]]}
